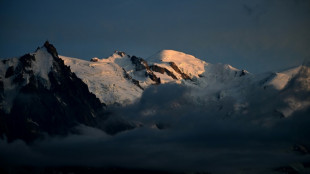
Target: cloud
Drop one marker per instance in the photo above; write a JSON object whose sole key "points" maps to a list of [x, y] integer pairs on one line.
{"points": [[193, 138]]}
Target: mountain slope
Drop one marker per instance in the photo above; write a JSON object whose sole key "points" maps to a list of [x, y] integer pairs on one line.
{"points": [[186, 63], [40, 94], [121, 78], [279, 80], [106, 79], [296, 90]]}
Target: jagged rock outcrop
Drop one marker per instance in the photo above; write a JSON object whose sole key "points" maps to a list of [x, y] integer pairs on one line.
{"points": [[134, 81], [243, 73], [141, 64], [95, 59], [52, 104], [175, 67], [162, 70], [120, 53]]}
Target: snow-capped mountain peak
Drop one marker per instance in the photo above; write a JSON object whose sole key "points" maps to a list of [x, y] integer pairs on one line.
{"points": [[42, 64], [188, 64], [42, 79], [16, 73], [280, 79], [38, 92], [121, 78], [107, 78]]}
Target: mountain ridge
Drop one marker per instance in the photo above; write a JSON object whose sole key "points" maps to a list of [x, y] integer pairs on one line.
{"points": [[160, 68], [80, 90], [209, 82]]}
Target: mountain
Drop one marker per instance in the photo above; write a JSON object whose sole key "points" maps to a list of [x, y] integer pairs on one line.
{"points": [[106, 79], [121, 79], [43, 92], [169, 110], [40, 94], [296, 90]]}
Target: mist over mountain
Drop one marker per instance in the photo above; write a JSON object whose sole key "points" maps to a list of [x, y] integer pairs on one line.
{"points": [[170, 112]]}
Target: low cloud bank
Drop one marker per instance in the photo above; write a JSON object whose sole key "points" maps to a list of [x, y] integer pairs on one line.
{"points": [[176, 134]]}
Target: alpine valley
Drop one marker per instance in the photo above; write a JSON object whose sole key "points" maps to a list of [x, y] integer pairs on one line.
{"points": [[43, 94]]}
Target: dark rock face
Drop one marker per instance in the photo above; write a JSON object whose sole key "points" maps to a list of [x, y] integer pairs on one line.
{"points": [[120, 53], [176, 68], [9, 72], [25, 61], [137, 83], [51, 49], [23, 67], [55, 110], [153, 77], [140, 65], [162, 71], [134, 81], [243, 73], [94, 59], [4, 61]]}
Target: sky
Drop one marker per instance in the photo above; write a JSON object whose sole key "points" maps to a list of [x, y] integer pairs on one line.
{"points": [[256, 35]]}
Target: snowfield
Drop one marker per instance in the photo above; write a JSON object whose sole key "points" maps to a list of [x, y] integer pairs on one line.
{"points": [[188, 64], [121, 79], [111, 79], [105, 79]]}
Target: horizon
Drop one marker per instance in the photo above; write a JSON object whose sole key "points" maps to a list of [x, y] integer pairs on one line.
{"points": [[106, 57]]}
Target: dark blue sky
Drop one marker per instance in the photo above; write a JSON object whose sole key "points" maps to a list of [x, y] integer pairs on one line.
{"points": [[257, 35]]}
